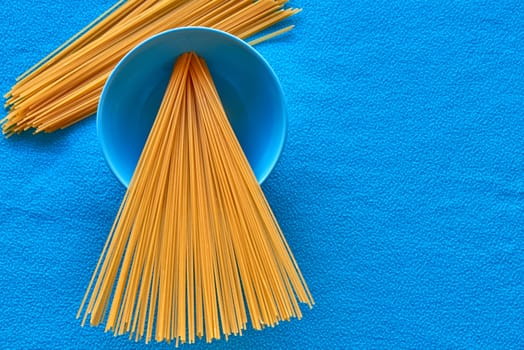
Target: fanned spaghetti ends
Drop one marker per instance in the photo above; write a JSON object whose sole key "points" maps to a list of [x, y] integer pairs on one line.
{"points": [[195, 250], [65, 86]]}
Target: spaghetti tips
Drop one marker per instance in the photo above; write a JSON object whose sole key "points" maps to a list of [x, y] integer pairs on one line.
{"points": [[195, 250], [65, 86]]}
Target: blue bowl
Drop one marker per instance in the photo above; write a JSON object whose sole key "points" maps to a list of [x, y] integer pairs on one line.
{"points": [[248, 87]]}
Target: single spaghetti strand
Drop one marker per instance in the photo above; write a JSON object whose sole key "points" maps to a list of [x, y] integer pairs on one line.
{"points": [[270, 35], [267, 22]]}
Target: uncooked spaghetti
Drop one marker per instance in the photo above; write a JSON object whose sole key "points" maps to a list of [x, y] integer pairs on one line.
{"points": [[65, 86], [195, 249]]}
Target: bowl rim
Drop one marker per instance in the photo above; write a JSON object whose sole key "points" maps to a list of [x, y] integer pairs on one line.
{"points": [[134, 51]]}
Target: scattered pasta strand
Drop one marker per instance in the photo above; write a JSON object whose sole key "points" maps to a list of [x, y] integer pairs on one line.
{"points": [[58, 91], [195, 248], [271, 35]]}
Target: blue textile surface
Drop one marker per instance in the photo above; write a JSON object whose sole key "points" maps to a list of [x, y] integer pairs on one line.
{"points": [[400, 189]]}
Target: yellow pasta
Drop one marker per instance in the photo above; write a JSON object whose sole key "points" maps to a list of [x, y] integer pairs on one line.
{"points": [[65, 86], [195, 249]]}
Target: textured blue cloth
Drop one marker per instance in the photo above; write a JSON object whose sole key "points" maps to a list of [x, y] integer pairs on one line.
{"points": [[400, 189]]}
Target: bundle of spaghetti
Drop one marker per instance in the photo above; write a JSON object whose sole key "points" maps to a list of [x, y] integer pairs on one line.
{"points": [[195, 249], [65, 87]]}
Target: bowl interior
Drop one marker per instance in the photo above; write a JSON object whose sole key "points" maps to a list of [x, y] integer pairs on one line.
{"points": [[249, 90]]}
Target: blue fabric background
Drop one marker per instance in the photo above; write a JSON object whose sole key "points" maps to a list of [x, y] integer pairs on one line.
{"points": [[400, 189]]}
